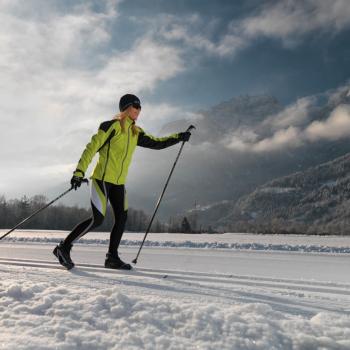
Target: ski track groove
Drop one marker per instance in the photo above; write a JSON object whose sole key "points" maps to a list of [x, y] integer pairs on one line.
{"points": [[341, 288], [337, 288], [293, 296]]}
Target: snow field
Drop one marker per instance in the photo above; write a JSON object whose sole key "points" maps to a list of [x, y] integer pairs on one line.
{"points": [[235, 298], [55, 309], [235, 241]]}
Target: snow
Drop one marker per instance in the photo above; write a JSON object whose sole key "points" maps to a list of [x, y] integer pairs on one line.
{"points": [[175, 298], [278, 190], [97, 312], [330, 183], [207, 207], [236, 241]]}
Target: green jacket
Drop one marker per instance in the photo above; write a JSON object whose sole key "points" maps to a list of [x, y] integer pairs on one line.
{"points": [[116, 149]]}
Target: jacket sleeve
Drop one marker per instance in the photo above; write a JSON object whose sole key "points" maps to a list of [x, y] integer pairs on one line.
{"points": [[97, 142], [149, 141]]}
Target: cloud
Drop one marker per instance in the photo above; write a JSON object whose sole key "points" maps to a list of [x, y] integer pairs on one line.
{"points": [[175, 29], [294, 126], [198, 33], [62, 76], [286, 138], [338, 96], [296, 114], [281, 139], [241, 140], [289, 20], [337, 126], [154, 117], [140, 69], [286, 20], [187, 29]]}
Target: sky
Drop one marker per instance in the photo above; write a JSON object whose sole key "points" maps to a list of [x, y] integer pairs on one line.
{"points": [[65, 64]]}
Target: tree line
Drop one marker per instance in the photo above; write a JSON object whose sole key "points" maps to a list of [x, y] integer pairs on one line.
{"points": [[63, 217]]}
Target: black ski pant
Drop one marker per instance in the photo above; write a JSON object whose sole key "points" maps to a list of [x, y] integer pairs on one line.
{"points": [[101, 193]]}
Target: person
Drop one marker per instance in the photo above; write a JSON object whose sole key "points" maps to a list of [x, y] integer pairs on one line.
{"points": [[115, 141]]}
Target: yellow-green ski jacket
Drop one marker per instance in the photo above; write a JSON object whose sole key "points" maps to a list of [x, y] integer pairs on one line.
{"points": [[116, 149]]}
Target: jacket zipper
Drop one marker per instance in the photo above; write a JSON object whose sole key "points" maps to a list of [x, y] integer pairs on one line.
{"points": [[126, 154], [104, 171], [109, 146]]}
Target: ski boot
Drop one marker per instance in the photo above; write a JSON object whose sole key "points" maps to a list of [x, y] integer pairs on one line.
{"points": [[114, 262], [62, 253]]}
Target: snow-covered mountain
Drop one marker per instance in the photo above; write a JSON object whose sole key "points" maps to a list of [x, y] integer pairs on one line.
{"points": [[312, 201], [212, 172]]}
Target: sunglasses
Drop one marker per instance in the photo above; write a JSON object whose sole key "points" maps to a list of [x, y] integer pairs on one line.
{"points": [[136, 106]]}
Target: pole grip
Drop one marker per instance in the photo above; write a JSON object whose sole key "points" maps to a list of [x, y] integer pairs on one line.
{"points": [[190, 128]]}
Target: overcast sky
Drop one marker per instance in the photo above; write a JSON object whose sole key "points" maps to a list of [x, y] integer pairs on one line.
{"points": [[64, 65]]}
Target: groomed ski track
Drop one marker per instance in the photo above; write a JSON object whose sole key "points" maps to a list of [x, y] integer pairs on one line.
{"points": [[302, 296]]}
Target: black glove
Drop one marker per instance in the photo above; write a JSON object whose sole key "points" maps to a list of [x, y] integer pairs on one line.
{"points": [[77, 179], [184, 136]]}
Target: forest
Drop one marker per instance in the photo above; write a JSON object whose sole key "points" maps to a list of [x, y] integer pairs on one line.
{"points": [[62, 217]]}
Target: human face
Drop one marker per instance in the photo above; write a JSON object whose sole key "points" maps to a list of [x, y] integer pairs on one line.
{"points": [[134, 112]]}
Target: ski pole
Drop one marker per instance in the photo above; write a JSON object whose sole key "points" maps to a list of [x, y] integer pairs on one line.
{"points": [[38, 211], [161, 196]]}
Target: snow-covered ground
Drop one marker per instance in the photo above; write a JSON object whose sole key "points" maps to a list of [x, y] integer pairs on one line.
{"points": [[189, 293], [330, 244]]}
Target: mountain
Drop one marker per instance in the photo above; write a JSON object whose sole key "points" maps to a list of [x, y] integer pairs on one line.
{"points": [[313, 201], [213, 173]]}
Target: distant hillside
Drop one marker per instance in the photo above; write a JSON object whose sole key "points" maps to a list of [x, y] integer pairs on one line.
{"points": [[313, 201]]}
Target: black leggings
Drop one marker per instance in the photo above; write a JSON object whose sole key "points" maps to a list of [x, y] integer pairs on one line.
{"points": [[101, 193]]}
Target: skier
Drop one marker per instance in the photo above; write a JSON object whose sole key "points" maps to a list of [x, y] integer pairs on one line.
{"points": [[115, 142]]}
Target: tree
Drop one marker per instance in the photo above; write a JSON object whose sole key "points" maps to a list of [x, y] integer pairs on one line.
{"points": [[185, 226], [3, 211], [173, 225]]}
